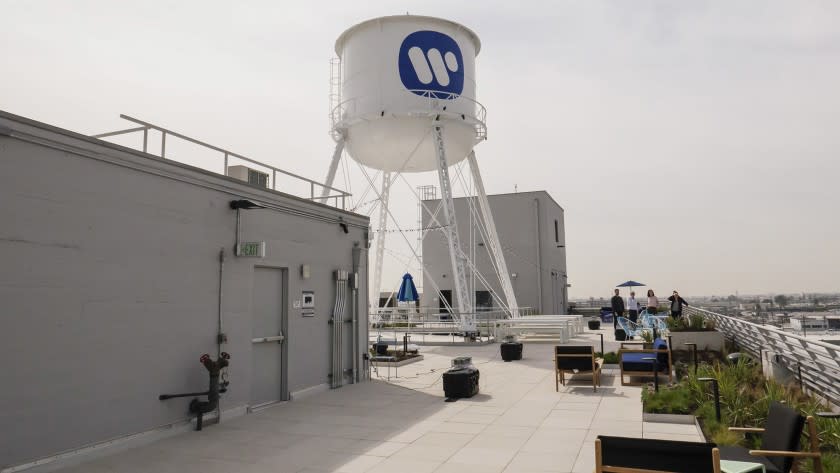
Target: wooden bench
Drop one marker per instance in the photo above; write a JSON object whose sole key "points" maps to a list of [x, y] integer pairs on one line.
{"points": [[632, 363], [576, 359]]}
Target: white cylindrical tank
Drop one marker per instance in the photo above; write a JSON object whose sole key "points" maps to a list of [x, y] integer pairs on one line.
{"points": [[400, 74]]}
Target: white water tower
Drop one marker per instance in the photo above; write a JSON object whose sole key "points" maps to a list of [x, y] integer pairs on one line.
{"points": [[405, 102]]}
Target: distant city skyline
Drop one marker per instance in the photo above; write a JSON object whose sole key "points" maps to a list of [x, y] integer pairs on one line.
{"points": [[693, 145], [742, 297]]}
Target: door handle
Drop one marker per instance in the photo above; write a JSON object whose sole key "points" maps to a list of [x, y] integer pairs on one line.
{"points": [[278, 339]]}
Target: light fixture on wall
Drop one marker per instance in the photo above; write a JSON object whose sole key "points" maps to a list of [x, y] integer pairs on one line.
{"points": [[514, 275], [244, 204], [258, 247]]}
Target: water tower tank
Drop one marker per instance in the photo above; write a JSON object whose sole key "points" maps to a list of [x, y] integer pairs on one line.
{"points": [[400, 73]]}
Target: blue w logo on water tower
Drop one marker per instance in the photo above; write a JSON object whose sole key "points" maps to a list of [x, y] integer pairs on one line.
{"points": [[431, 65]]}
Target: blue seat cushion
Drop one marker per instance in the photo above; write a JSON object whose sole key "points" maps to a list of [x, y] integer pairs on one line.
{"points": [[634, 362]]}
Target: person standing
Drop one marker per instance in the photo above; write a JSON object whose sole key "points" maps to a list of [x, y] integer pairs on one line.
{"points": [[618, 308], [677, 304], [632, 307], [652, 302]]}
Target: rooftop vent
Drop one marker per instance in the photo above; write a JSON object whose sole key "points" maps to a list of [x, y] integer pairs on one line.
{"points": [[251, 176]]}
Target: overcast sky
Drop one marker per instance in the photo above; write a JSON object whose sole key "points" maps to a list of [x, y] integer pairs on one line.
{"points": [[693, 145]]}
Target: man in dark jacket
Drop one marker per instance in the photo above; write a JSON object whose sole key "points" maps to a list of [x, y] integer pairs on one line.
{"points": [[677, 304], [618, 308]]}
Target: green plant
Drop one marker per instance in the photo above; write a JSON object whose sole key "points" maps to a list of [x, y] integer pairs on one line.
{"points": [[680, 369], [722, 436], [745, 397], [647, 336], [830, 461], [696, 322], [669, 400], [676, 324], [693, 323], [610, 358]]}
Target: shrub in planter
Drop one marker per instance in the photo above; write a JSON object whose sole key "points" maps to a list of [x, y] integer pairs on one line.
{"points": [[676, 399], [745, 399], [610, 358]]}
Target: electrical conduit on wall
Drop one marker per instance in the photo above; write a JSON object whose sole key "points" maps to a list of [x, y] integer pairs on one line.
{"points": [[337, 321], [539, 254], [354, 332]]}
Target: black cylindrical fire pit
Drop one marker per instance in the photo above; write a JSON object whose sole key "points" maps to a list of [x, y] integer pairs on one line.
{"points": [[594, 324], [511, 351]]}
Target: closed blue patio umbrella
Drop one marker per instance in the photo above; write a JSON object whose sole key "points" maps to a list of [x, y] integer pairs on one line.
{"points": [[407, 292]]}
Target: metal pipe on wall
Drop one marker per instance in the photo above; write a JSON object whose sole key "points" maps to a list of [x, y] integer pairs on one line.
{"points": [[333, 350], [337, 369], [354, 332], [342, 288], [220, 337], [220, 334], [539, 254]]}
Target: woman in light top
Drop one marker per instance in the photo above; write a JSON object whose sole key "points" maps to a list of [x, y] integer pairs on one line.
{"points": [[652, 302]]}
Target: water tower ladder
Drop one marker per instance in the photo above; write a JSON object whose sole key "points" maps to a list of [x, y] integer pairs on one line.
{"points": [[456, 255]]}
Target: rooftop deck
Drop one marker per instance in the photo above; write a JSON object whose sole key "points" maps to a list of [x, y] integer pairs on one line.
{"points": [[518, 423]]}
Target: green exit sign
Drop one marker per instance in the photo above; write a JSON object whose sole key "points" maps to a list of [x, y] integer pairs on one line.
{"points": [[254, 249]]}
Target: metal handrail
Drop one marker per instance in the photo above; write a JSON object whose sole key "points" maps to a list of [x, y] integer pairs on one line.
{"points": [[429, 315], [816, 363], [436, 101], [340, 196]]}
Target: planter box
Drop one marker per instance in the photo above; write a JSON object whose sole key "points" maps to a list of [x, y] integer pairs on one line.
{"points": [[687, 419], [682, 419], [397, 364], [707, 340]]}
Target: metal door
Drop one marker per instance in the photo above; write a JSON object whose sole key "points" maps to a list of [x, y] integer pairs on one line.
{"points": [[267, 336]]}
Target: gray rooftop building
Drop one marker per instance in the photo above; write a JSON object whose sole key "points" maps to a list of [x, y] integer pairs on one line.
{"points": [[532, 233], [118, 272]]}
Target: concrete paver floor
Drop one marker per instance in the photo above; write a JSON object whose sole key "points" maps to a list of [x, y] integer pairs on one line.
{"points": [[518, 423]]}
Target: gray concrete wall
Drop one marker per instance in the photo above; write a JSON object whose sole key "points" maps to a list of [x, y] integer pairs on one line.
{"points": [[109, 287], [525, 223]]}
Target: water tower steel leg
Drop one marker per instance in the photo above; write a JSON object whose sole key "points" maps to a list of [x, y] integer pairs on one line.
{"points": [[467, 317], [380, 239], [336, 158], [495, 244]]}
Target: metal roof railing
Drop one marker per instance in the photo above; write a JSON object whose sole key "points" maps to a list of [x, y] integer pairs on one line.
{"points": [[335, 197], [816, 363]]}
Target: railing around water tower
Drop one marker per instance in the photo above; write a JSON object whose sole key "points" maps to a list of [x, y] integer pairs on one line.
{"points": [[434, 103], [816, 364]]}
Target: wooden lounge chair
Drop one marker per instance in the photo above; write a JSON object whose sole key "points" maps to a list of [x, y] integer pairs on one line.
{"points": [[779, 441], [575, 359], [632, 361], [634, 455]]}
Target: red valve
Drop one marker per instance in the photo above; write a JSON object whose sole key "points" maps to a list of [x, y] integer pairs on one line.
{"points": [[225, 355], [204, 358]]}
